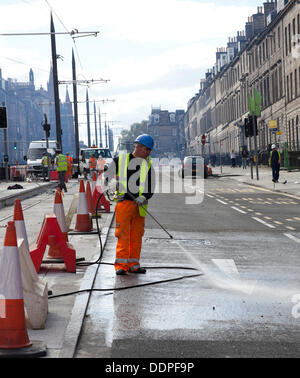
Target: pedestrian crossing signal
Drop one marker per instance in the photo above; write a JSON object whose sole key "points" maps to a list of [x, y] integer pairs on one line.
{"points": [[15, 145], [249, 126], [3, 117]]}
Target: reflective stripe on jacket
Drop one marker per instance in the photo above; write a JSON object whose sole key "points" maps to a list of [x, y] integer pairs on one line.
{"points": [[270, 159], [62, 163], [122, 177], [92, 163], [45, 161]]}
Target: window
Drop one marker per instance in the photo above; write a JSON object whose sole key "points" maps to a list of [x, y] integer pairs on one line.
{"points": [[296, 84], [174, 131], [278, 36], [291, 84], [156, 133]]}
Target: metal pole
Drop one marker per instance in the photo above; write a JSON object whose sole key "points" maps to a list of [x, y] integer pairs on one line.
{"points": [[106, 141], [5, 147], [6, 153], [254, 122], [55, 84], [88, 118], [47, 146], [251, 162], [75, 110], [101, 144], [95, 118]]}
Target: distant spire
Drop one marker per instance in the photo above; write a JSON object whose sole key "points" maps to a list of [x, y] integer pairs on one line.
{"points": [[67, 95], [31, 77]]}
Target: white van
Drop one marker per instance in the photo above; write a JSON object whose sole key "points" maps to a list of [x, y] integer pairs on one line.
{"points": [[87, 153], [35, 155]]}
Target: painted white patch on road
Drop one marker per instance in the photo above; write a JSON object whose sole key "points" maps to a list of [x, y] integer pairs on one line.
{"points": [[292, 237], [224, 203], [263, 222], [239, 210]]}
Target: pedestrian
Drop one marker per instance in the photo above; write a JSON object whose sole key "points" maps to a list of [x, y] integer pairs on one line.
{"points": [[135, 180], [274, 162], [244, 159], [62, 168], [45, 165], [70, 162], [232, 157]]}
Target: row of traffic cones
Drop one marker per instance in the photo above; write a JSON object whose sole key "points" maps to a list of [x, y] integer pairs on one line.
{"points": [[23, 296]]}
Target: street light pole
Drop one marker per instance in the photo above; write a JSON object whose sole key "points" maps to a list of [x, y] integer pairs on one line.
{"points": [[75, 110], [55, 84]]}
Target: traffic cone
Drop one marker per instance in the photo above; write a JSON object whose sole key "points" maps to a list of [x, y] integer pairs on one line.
{"points": [[83, 219], [58, 209], [35, 290], [94, 182], [13, 332], [89, 198]]}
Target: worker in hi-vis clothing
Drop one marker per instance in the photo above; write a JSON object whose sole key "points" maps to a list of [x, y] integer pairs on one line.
{"points": [[62, 168], [135, 183]]}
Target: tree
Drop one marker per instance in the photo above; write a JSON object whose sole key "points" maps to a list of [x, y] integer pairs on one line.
{"points": [[129, 136]]}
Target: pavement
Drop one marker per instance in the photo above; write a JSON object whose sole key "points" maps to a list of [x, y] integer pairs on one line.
{"points": [[64, 320], [292, 178]]}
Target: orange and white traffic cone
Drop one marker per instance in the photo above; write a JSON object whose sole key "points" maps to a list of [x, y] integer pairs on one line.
{"points": [[89, 198], [83, 219], [58, 209], [13, 332], [35, 290], [94, 182]]}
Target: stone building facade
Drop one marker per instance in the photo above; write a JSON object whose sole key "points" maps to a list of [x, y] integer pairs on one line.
{"points": [[26, 107], [167, 130], [268, 59]]}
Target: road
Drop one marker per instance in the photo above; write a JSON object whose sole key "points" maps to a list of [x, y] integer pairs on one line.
{"points": [[244, 244]]}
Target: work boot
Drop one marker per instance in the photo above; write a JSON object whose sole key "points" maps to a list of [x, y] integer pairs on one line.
{"points": [[121, 272], [139, 270]]}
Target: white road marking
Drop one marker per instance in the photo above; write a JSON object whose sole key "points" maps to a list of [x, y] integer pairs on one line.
{"points": [[263, 222], [292, 237], [224, 203], [239, 210], [209, 196]]}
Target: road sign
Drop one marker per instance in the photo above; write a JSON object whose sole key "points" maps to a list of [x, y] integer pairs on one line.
{"points": [[273, 126], [3, 117]]}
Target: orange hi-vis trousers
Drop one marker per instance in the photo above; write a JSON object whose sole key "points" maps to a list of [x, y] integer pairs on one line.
{"points": [[130, 228]]}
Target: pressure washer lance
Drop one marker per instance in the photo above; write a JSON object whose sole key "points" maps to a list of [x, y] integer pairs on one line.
{"points": [[148, 212]]}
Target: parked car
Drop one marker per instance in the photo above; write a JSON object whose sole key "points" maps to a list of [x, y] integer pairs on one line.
{"points": [[193, 166]]}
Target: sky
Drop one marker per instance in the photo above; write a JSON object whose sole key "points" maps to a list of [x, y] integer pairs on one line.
{"points": [[153, 52]]}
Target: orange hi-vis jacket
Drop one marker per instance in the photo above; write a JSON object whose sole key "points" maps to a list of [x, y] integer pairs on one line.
{"points": [[93, 163]]}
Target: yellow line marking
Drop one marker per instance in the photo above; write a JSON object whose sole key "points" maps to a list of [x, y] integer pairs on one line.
{"points": [[290, 228], [289, 220], [258, 213], [268, 218], [277, 222]]}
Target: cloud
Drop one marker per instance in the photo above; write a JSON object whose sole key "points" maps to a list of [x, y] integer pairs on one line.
{"points": [[154, 52]]}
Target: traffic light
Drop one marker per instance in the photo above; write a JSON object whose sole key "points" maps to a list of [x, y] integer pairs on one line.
{"points": [[15, 145], [249, 126], [3, 117]]}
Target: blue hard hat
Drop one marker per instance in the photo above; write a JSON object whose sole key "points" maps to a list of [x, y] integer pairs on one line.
{"points": [[145, 140]]}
